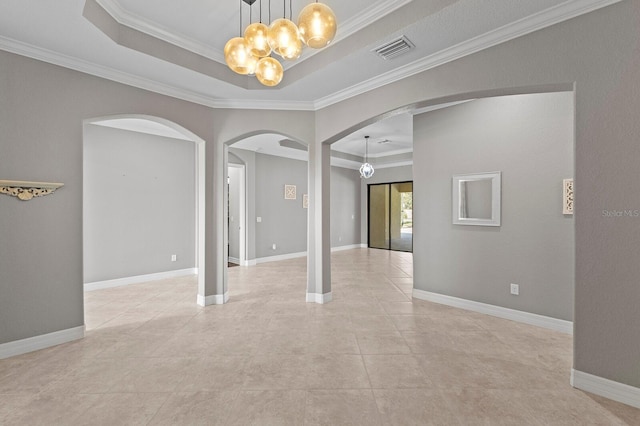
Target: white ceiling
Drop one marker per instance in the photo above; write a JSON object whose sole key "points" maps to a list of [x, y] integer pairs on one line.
{"points": [[442, 30]]}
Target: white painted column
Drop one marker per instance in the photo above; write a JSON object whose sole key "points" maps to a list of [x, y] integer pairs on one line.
{"points": [[319, 238], [214, 288]]}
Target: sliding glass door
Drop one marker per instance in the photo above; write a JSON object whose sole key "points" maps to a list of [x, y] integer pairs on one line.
{"points": [[391, 216]]}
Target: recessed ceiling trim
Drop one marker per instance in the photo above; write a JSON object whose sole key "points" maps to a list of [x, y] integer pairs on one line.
{"points": [[122, 16], [377, 11], [378, 155]]}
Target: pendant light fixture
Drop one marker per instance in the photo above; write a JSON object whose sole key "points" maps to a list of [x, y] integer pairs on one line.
{"points": [[251, 54], [366, 170], [317, 25], [237, 53], [269, 71]]}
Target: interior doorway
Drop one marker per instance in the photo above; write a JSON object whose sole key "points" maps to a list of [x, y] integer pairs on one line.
{"points": [[236, 215], [390, 212]]}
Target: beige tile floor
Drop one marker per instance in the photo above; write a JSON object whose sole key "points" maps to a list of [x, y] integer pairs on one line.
{"points": [[372, 356]]}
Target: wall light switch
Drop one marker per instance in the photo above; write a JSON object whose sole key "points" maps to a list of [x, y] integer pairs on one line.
{"points": [[174, 257], [258, 219]]}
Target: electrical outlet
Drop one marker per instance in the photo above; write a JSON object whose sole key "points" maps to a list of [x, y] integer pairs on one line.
{"points": [[273, 246], [258, 219], [174, 257], [515, 289]]}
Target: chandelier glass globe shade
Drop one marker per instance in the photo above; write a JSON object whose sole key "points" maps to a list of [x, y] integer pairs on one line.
{"points": [[269, 71], [238, 56], [256, 38], [317, 25], [366, 170], [283, 36], [293, 51]]}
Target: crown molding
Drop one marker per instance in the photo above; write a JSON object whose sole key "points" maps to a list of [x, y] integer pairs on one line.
{"points": [[548, 17], [70, 62], [551, 16]]}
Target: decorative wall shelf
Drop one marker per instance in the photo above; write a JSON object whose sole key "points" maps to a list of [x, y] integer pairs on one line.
{"points": [[567, 196], [27, 190]]}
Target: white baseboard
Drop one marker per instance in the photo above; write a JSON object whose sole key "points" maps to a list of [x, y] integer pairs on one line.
{"points": [[497, 311], [281, 257], [607, 388], [234, 260], [43, 341], [216, 299], [319, 298], [119, 282], [288, 256], [349, 247]]}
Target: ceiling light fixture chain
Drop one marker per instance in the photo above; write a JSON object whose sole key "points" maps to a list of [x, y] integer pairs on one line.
{"points": [[251, 54]]}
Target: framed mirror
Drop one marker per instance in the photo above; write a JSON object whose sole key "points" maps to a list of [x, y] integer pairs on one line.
{"points": [[476, 199]]}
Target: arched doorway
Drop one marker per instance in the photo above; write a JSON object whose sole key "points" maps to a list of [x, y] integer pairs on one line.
{"points": [[143, 201]]}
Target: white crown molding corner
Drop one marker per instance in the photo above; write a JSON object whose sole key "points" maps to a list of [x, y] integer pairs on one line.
{"points": [[497, 311], [610, 389], [215, 299], [374, 13], [43, 341], [551, 16], [319, 298], [119, 282]]}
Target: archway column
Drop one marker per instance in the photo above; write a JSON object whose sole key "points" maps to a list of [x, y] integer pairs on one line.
{"points": [[212, 290], [319, 239]]}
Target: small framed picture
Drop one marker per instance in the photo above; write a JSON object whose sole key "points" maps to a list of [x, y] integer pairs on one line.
{"points": [[289, 192]]}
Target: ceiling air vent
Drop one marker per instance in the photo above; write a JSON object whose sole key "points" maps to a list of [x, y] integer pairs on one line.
{"points": [[394, 48]]}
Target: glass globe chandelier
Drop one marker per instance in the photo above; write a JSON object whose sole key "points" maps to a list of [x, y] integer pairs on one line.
{"points": [[251, 53], [366, 170]]}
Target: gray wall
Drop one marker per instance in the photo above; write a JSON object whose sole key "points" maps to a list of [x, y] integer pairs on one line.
{"points": [[42, 110], [345, 207], [139, 203], [284, 222], [386, 175], [529, 138]]}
